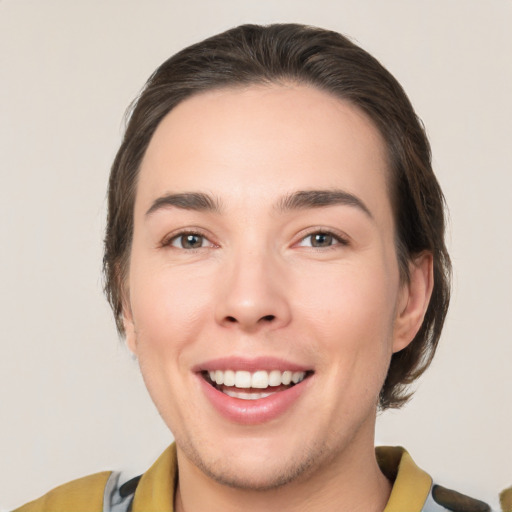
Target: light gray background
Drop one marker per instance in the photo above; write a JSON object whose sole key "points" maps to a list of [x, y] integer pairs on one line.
{"points": [[71, 399]]}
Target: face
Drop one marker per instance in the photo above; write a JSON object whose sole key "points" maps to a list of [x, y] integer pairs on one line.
{"points": [[263, 298]]}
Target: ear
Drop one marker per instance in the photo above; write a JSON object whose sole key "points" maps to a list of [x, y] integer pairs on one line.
{"points": [[414, 300], [129, 326]]}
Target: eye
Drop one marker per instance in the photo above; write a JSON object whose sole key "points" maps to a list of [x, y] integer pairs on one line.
{"points": [[321, 239], [189, 241]]}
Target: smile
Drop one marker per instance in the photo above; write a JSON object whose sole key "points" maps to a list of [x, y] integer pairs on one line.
{"points": [[253, 391], [256, 385], [260, 379]]}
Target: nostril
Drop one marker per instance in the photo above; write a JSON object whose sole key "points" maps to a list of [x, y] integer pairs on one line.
{"points": [[264, 319]]}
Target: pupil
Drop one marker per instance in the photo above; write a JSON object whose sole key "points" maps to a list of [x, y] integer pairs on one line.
{"points": [[192, 241], [322, 240]]}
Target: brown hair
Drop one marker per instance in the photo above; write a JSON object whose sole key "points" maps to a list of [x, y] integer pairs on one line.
{"points": [[252, 54]]}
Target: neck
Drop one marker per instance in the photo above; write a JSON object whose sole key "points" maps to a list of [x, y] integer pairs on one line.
{"points": [[351, 481]]}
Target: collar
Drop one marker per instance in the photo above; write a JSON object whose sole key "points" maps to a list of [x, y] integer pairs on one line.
{"points": [[156, 488], [411, 485]]}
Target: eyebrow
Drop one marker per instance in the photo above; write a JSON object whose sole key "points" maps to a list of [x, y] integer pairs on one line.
{"points": [[186, 201], [300, 200], [305, 199]]}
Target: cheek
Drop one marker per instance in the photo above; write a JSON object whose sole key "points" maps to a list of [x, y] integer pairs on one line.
{"points": [[351, 312], [169, 308], [352, 297], [168, 305]]}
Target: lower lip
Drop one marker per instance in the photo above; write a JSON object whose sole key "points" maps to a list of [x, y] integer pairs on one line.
{"points": [[253, 412]]}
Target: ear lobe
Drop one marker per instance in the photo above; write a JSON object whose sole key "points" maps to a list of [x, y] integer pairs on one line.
{"points": [[414, 302], [129, 327]]}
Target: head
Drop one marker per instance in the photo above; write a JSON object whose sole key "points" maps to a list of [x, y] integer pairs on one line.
{"points": [[328, 62]]}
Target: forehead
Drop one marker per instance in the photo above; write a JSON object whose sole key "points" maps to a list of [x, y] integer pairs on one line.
{"points": [[263, 141]]}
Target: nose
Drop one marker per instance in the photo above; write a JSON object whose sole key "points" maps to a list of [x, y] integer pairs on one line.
{"points": [[253, 294]]}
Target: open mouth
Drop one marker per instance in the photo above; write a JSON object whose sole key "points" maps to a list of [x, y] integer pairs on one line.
{"points": [[247, 385]]}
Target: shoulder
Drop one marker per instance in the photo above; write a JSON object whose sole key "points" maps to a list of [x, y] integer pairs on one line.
{"points": [[82, 495], [442, 499], [117, 491]]}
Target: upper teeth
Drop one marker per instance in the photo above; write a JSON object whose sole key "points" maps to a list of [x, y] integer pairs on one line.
{"points": [[260, 379]]}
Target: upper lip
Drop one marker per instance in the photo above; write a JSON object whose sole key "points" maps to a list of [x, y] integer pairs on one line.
{"points": [[250, 364]]}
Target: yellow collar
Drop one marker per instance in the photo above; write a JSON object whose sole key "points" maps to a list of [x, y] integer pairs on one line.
{"points": [[155, 491], [411, 484]]}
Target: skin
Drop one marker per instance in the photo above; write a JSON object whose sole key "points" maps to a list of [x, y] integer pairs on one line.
{"points": [[256, 287]]}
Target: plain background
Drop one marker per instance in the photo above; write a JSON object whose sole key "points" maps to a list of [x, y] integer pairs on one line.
{"points": [[71, 399]]}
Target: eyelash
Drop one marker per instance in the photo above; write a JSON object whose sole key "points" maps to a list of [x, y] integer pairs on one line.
{"points": [[335, 239], [169, 241]]}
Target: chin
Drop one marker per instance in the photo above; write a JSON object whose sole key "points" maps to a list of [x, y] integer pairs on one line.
{"points": [[262, 478], [258, 470]]}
